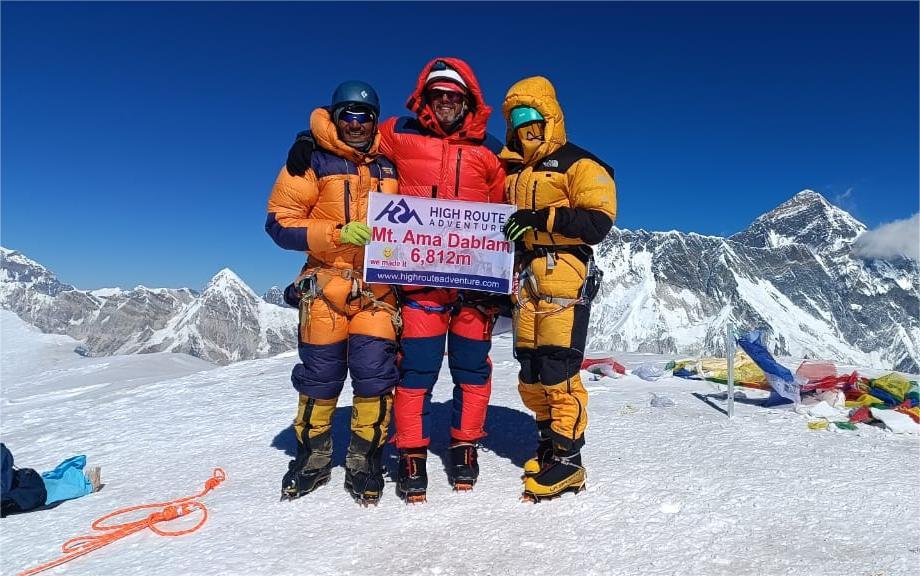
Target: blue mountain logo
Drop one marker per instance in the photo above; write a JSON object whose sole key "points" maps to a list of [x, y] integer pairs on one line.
{"points": [[398, 213]]}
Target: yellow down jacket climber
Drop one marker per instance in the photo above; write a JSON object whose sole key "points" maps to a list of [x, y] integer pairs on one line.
{"points": [[556, 276]]}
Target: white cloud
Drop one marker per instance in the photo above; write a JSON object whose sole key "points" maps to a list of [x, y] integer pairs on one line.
{"points": [[898, 238], [841, 198]]}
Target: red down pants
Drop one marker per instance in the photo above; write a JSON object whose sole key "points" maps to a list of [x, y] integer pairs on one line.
{"points": [[429, 317]]}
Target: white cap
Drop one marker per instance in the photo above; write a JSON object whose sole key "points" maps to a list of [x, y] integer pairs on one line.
{"points": [[448, 74]]}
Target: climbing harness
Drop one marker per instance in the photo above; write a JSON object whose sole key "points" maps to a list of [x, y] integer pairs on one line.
{"points": [[482, 303], [526, 281], [311, 284]]}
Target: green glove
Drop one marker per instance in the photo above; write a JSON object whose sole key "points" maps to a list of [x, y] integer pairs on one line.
{"points": [[357, 233]]}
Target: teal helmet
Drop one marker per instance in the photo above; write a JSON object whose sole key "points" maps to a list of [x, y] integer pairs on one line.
{"points": [[355, 92], [521, 115]]}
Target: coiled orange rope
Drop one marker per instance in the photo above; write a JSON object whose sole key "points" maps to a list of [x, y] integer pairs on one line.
{"points": [[76, 547]]}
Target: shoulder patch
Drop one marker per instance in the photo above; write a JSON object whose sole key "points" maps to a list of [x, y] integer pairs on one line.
{"points": [[384, 168]]}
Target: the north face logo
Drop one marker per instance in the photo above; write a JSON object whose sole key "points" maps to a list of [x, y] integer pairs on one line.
{"points": [[398, 213], [387, 170], [550, 163]]}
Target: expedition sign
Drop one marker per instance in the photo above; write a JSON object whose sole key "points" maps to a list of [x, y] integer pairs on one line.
{"points": [[442, 243]]}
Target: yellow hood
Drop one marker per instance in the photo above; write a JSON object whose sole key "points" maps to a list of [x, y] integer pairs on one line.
{"points": [[536, 92]]}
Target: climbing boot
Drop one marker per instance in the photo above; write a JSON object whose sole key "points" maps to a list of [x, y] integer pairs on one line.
{"points": [[412, 478], [464, 467], [564, 473], [363, 471], [370, 417], [310, 469], [299, 482]]}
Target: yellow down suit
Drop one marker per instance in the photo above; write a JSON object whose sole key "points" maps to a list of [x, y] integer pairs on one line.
{"points": [[556, 276]]}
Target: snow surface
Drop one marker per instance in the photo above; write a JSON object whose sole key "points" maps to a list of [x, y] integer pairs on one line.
{"points": [[677, 490], [40, 369]]}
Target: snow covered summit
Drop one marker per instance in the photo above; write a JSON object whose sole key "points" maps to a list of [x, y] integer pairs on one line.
{"points": [[792, 273], [807, 218]]}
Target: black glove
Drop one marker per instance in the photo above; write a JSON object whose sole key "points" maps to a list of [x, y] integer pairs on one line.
{"points": [[524, 220], [299, 155], [292, 296]]}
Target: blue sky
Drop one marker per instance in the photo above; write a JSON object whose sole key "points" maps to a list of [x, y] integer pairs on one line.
{"points": [[140, 140]]}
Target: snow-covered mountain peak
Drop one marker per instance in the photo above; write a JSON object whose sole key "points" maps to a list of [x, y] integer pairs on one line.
{"points": [[792, 272], [806, 219], [226, 281], [16, 267], [225, 323], [814, 203], [21, 260], [808, 196]]}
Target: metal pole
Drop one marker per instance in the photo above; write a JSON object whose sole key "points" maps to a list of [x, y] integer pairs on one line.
{"points": [[730, 352]]}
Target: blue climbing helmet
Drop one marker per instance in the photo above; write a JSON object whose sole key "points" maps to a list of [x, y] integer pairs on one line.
{"points": [[354, 92], [521, 115]]}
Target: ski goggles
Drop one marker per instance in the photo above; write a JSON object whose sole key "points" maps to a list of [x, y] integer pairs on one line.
{"points": [[359, 116]]}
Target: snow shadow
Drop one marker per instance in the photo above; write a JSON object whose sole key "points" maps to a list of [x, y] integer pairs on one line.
{"points": [[712, 399], [510, 434], [286, 440]]}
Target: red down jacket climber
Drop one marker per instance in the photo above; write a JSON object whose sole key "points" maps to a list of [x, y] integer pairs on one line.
{"points": [[460, 165]]}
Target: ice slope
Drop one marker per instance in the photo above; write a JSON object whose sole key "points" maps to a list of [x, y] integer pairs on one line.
{"points": [[677, 490]]}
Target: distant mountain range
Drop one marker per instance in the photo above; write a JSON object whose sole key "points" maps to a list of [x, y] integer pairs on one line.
{"points": [[225, 323], [792, 273]]}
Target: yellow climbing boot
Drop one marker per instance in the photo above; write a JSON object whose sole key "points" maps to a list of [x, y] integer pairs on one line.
{"points": [[564, 474]]}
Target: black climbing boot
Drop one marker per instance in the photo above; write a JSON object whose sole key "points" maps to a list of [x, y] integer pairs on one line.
{"points": [[412, 479], [464, 466], [310, 469], [363, 471]]}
